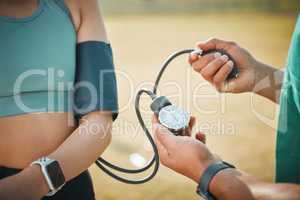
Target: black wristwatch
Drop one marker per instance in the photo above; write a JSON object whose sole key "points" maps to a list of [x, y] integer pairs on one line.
{"points": [[52, 173], [207, 176]]}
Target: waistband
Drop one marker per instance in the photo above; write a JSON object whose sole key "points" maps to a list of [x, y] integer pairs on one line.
{"points": [[36, 102]]}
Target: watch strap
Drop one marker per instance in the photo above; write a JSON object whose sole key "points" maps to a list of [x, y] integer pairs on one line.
{"points": [[208, 175], [43, 162]]}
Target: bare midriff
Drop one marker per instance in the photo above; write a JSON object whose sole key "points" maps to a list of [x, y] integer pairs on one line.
{"points": [[25, 138]]}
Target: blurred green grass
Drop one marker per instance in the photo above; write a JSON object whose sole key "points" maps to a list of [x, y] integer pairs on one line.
{"points": [[142, 42]]}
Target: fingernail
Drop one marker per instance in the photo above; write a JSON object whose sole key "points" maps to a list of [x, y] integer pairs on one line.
{"points": [[230, 64], [217, 55], [224, 58]]}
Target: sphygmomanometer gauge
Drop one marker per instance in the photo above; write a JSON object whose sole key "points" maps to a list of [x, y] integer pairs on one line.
{"points": [[170, 116], [174, 118]]}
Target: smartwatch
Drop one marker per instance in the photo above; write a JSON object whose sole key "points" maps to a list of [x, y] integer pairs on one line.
{"points": [[52, 173], [207, 176]]}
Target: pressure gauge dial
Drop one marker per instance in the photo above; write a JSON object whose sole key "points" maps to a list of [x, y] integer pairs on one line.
{"points": [[170, 116], [174, 118]]}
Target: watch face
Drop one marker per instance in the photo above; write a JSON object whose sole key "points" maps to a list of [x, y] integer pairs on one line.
{"points": [[55, 174], [174, 118]]}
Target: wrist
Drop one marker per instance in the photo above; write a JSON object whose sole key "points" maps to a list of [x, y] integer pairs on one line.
{"points": [[257, 69], [215, 181], [199, 168], [39, 186], [262, 72]]}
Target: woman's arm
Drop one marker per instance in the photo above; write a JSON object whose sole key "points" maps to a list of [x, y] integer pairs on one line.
{"points": [[83, 147], [91, 26], [87, 142], [26, 185]]}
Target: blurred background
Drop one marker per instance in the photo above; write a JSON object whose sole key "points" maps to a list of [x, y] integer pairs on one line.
{"points": [[240, 128], [196, 6]]}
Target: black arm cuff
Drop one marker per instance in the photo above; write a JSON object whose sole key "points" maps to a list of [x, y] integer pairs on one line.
{"points": [[95, 80]]}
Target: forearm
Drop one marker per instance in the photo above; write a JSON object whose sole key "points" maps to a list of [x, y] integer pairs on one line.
{"points": [[228, 185], [85, 144], [268, 82], [27, 185], [269, 191], [234, 184]]}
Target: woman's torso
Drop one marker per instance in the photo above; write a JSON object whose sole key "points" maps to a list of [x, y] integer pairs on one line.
{"points": [[25, 138], [37, 65]]}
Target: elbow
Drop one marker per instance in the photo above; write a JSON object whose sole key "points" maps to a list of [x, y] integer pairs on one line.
{"points": [[99, 125], [106, 138]]}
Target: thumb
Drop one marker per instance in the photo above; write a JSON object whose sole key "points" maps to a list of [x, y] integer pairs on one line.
{"points": [[206, 45], [164, 136]]}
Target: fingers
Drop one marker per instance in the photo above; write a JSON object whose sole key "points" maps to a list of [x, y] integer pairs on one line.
{"points": [[164, 136], [214, 43], [162, 151], [210, 44], [188, 131], [215, 68], [162, 140], [191, 125], [201, 137], [192, 122], [203, 61], [193, 58], [219, 80], [206, 45], [212, 68], [155, 119]]}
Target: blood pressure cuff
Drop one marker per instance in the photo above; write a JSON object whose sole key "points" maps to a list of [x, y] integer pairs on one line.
{"points": [[95, 86]]}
